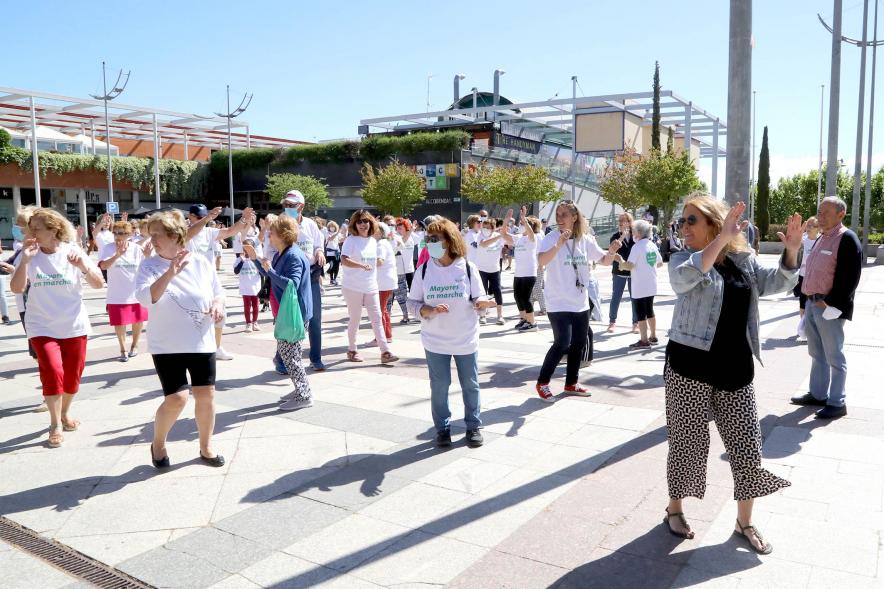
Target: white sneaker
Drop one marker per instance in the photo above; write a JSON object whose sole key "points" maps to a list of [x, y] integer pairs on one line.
{"points": [[482, 321], [255, 327], [248, 327], [288, 397], [802, 335], [295, 404], [220, 354]]}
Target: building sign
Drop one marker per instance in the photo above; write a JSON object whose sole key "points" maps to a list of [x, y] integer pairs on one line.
{"points": [[436, 176], [503, 141], [93, 196]]}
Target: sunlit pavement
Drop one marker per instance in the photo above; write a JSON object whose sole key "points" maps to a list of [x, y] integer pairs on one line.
{"points": [[352, 492]]}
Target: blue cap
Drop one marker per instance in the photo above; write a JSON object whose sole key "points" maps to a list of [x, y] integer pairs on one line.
{"points": [[199, 210]]}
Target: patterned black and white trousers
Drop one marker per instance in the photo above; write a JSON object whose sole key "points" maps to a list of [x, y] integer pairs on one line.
{"points": [[291, 358], [688, 403]]}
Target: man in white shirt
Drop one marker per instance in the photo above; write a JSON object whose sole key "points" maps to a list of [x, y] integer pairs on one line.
{"points": [[312, 243], [201, 240]]}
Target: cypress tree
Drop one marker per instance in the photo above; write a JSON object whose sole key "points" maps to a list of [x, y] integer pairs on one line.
{"points": [[670, 142], [655, 115], [762, 199]]}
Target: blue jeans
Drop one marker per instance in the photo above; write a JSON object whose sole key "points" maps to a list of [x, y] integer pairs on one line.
{"points": [[314, 329], [620, 283], [825, 344], [439, 366]]}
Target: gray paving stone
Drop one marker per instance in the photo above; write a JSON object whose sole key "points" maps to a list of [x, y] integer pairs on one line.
{"points": [[365, 422], [173, 569], [282, 521], [21, 570], [223, 549], [606, 569], [506, 571]]}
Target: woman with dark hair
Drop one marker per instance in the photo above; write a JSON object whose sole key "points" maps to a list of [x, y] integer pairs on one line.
{"points": [[709, 359], [525, 247], [567, 253], [359, 283], [620, 276], [447, 295]]}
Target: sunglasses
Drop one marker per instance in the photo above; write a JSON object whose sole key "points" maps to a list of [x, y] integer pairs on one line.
{"points": [[363, 222], [121, 234], [690, 220]]}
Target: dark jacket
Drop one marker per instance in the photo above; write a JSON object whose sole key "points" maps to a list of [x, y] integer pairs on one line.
{"points": [[291, 265], [848, 268], [625, 248]]}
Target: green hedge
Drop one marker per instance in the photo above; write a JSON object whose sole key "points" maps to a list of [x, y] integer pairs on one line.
{"points": [[373, 148]]}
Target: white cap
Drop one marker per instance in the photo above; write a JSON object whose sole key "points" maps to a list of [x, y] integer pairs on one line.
{"points": [[294, 197]]}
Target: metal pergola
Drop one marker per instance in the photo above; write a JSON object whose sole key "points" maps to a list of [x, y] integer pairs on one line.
{"points": [[553, 121], [26, 109]]}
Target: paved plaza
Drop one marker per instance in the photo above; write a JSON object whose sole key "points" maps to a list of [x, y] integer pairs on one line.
{"points": [[352, 493]]}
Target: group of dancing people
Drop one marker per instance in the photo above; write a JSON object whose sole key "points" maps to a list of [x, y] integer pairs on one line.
{"points": [[166, 279]]}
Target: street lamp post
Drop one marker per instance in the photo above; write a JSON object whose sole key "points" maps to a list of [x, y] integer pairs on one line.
{"points": [[107, 97], [230, 115], [819, 173]]}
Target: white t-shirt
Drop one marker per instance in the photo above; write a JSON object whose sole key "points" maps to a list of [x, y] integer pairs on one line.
{"points": [[807, 245], [471, 237], [388, 279], [204, 243], [249, 278], [419, 238], [526, 256], [102, 238], [560, 285], [644, 255], [405, 259], [457, 331], [333, 242], [310, 238], [121, 276], [487, 258], [269, 250], [55, 298], [179, 322], [363, 250]]}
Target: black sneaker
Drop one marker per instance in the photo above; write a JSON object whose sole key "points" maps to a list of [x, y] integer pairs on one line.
{"points": [[5, 320], [474, 438], [831, 412], [520, 324], [443, 439], [528, 327]]}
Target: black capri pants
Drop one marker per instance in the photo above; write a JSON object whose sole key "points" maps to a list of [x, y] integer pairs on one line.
{"points": [[173, 368], [643, 308], [491, 283], [802, 298], [522, 287]]}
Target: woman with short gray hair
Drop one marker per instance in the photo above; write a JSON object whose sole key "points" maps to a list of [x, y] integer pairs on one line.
{"points": [[644, 259]]}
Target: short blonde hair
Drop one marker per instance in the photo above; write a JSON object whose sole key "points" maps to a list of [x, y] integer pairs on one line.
{"points": [[55, 222], [715, 212], [286, 228], [444, 228], [124, 225], [172, 223], [23, 216], [332, 226]]}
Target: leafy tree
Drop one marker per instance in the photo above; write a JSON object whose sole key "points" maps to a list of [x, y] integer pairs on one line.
{"points": [[314, 190], [394, 189], [655, 114], [762, 199], [663, 180], [618, 181], [506, 186], [670, 141]]}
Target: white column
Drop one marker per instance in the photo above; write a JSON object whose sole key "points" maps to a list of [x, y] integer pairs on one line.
{"points": [[81, 201], [34, 158], [186, 154], [156, 161], [715, 158], [136, 199], [92, 132], [16, 199]]}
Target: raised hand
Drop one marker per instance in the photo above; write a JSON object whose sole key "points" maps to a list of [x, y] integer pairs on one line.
{"points": [[249, 251], [124, 217], [564, 236], [29, 249], [794, 233], [122, 248], [732, 224], [179, 262], [147, 249], [213, 214], [615, 246], [523, 213], [77, 261]]}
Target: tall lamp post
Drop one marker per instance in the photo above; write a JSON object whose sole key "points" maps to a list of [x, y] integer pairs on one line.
{"points": [[230, 115], [106, 97], [819, 173]]}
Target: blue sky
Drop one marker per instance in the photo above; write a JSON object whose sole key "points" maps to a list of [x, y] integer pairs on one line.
{"points": [[316, 68]]}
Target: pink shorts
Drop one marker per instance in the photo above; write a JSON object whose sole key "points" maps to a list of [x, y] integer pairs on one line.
{"points": [[127, 314]]}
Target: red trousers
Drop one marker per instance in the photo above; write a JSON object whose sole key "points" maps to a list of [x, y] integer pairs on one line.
{"points": [[250, 308], [385, 313], [61, 363]]}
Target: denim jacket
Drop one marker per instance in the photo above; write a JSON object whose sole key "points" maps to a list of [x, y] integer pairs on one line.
{"points": [[699, 295]]}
